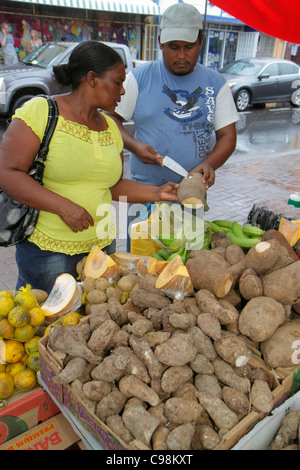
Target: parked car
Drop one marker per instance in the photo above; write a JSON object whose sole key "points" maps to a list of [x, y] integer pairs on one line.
{"points": [[34, 75], [263, 80]]}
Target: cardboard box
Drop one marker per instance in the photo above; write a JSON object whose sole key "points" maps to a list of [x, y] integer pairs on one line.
{"points": [[25, 410], [50, 366], [54, 434], [263, 433]]}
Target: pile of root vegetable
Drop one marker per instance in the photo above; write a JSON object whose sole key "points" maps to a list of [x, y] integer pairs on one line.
{"points": [[179, 373], [287, 436]]}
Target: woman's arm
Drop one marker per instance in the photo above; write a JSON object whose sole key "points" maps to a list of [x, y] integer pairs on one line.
{"points": [[17, 152], [139, 192]]}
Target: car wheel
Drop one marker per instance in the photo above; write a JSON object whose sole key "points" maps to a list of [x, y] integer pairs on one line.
{"points": [[295, 99], [242, 100], [20, 101]]}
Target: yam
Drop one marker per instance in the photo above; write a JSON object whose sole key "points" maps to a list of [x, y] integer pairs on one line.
{"points": [[201, 365], [179, 350], [96, 389], [117, 313], [263, 256], [220, 413], [116, 424], [102, 337], [234, 253], [226, 375], [192, 191], [202, 343], [209, 303], [206, 274], [131, 386], [236, 401], [287, 432], [72, 341], [260, 318], [261, 396], [209, 324], [180, 411], [205, 437], [143, 351], [283, 284], [209, 384], [182, 321], [219, 240], [233, 349], [111, 404], [73, 370], [180, 438], [174, 377], [276, 235], [145, 299], [159, 438], [77, 389], [140, 423], [250, 284], [141, 326], [280, 350]]}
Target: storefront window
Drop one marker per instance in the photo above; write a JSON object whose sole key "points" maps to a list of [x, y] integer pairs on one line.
{"points": [[72, 30], [230, 47], [215, 49]]}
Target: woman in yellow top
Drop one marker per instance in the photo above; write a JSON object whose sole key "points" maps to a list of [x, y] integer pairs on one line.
{"points": [[83, 171]]}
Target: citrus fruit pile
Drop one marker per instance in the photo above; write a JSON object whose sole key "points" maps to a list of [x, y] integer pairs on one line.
{"points": [[20, 315], [19, 363]]}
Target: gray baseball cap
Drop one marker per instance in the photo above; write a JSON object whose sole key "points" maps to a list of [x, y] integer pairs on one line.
{"points": [[180, 22]]}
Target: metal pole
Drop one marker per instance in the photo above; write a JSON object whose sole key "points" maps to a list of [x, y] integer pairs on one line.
{"points": [[204, 28]]}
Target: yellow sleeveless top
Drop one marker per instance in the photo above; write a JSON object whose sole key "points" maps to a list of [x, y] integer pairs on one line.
{"points": [[81, 165]]}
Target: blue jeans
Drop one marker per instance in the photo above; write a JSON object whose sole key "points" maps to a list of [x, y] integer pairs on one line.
{"points": [[40, 268]]}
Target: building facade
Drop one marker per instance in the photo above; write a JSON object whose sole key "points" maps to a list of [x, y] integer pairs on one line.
{"points": [[136, 23], [77, 20]]}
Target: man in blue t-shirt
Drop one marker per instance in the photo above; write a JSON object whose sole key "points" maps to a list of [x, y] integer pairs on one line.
{"points": [[179, 107]]}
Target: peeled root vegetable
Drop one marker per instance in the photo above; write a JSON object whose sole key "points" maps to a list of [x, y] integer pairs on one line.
{"points": [[192, 191], [207, 274]]}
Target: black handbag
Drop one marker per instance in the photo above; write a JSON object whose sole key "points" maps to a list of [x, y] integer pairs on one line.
{"points": [[17, 221]]}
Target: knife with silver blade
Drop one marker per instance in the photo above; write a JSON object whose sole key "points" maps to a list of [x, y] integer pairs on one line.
{"points": [[174, 166]]}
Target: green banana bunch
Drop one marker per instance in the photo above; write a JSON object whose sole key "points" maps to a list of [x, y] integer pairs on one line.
{"points": [[246, 236]]}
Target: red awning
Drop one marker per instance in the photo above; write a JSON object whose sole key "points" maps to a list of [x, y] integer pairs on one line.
{"points": [[277, 18]]}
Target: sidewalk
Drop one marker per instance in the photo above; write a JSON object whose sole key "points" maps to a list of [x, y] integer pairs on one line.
{"points": [[238, 186]]}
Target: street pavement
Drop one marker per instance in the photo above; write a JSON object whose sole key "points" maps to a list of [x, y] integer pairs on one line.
{"points": [[262, 180]]}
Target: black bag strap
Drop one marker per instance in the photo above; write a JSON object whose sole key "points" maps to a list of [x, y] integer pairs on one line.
{"points": [[50, 127], [38, 165]]}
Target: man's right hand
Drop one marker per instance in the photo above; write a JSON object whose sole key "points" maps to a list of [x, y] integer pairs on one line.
{"points": [[147, 154]]}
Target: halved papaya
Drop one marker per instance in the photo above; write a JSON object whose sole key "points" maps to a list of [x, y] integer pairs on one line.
{"points": [[64, 295], [174, 279], [126, 261], [99, 264], [151, 265]]}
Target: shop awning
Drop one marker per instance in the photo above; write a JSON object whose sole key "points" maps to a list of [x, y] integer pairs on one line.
{"points": [[276, 18], [139, 7]]}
